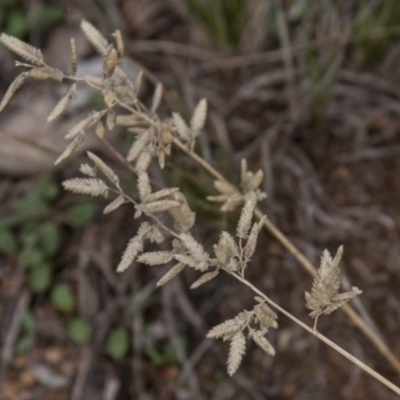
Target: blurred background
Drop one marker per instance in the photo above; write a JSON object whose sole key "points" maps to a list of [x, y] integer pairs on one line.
{"points": [[308, 91]]}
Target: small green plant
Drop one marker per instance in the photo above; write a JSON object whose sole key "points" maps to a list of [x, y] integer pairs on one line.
{"points": [[166, 354], [117, 343], [79, 330], [63, 297], [154, 138], [27, 338]]}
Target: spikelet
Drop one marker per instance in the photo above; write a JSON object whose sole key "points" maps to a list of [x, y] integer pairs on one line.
{"points": [[261, 341], [157, 97], [183, 217], [46, 73], [86, 169], [266, 317], [104, 168], [12, 89], [243, 171], [94, 81], [243, 226], [128, 120], [138, 82], [110, 119], [144, 160], [157, 206], [226, 249], [324, 297], [116, 203], [143, 185], [233, 201], [100, 129], [90, 186], [74, 62], [199, 117], [174, 271], [63, 103], [252, 240], [156, 257], [155, 235], [161, 194], [181, 127], [224, 187], [208, 276], [119, 42], [187, 260], [70, 148], [94, 37], [237, 349], [110, 63], [134, 247], [140, 143], [22, 49], [84, 124], [226, 329], [196, 250], [256, 180]]}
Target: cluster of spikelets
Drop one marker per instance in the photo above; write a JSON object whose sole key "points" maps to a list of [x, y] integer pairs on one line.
{"points": [[154, 138]]}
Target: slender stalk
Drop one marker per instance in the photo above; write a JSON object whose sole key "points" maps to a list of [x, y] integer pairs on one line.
{"points": [[318, 335], [379, 344]]}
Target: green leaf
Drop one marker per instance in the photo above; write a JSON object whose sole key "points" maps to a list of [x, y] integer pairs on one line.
{"points": [[28, 231], [166, 355], [8, 243], [27, 340], [63, 297], [48, 15], [28, 321], [32, 202], [117, 344], [47, 188], [24, 344], [80, 214], [79, 330], [17, 24], [40, 278], [33, 259], [50, 239]]}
